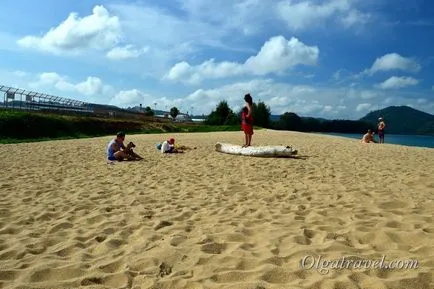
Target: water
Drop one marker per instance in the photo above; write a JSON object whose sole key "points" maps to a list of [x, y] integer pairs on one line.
{"points": [[407, 140]]}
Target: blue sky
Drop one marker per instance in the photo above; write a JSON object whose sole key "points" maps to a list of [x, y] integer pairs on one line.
{"points": [[332, 58]]}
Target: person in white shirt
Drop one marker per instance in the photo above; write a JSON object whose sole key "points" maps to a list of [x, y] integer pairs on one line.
{"points": [[168, 146]]}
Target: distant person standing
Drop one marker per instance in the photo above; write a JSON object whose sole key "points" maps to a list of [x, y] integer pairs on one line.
{"points": [[247, 119], [381, 127]]}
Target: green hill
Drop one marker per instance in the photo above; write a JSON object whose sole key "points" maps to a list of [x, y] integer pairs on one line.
{"points": [[402, 120]]}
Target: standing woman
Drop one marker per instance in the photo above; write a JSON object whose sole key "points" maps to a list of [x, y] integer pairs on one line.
{"points": [[381, 127], [247, 119]]}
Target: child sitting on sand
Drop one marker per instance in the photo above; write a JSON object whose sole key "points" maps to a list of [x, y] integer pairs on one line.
{"points": [[368, 137], [168, 147]]}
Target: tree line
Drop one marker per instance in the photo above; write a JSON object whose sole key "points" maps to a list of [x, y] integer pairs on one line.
{"points": [[174, 111], [224, 115]]}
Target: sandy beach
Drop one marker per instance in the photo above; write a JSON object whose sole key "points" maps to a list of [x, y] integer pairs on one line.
{"points": [[205, 219]]}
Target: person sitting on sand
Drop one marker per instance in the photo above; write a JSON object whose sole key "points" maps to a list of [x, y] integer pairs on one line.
{"points": [[368, 137], [116, 150], [168, 147]]}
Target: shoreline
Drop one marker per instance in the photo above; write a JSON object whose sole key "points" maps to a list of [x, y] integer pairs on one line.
{"points": [[395, 139]]}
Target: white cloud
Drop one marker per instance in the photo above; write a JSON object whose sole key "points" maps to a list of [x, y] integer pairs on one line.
{"points": [[174, 37], [337, 75], [90, 87], [126, 52], [184, 72], [367, 94], [396, 82], [98, 31], [132, 97], [306, 14], [418, 101], [344, 102], [354, 18], [305, 100], [328, 108], [389, 100], [281, 97], [171, 38], [247, 16], [363, 107], [156, 27], [135, 97], [393, 61], [277, 55], [121, 30], [20, 73], [251, 17]]}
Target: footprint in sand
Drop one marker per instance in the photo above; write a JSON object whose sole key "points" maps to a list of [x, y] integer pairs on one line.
{"points": [[164, 269], [162, 224], [177, 240], [213, 248], [393, 205]]}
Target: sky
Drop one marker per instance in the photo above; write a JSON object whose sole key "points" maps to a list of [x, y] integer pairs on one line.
{"points": [[335, 59]]}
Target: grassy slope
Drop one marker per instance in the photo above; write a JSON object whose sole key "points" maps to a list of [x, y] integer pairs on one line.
{"points": [[29, 127]]}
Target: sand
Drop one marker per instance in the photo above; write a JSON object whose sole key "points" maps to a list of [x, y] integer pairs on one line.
{"points": [[205, 219]]}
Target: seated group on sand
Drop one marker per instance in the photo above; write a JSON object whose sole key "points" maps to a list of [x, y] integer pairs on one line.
{"points": [[117, 151]]}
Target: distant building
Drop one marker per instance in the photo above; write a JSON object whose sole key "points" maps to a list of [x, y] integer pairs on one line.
{"points": [[183, 118]]}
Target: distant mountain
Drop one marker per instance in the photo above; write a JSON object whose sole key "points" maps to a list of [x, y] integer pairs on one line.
{"points": [[402, 120], [276, 117]]}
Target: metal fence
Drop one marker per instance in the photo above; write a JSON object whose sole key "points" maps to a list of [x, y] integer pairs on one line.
{"points": [[15, 98], [20, 99]]}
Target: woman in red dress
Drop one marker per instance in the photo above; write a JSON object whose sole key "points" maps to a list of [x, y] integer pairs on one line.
{"points": [[247, 119]]}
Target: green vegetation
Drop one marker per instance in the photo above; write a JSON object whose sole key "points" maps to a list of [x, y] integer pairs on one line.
{"points": [[148, 111], [291, 121], [28, 127], [399, 120], [19, 126], [223, 115], [262, 114], [174, 111]]}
